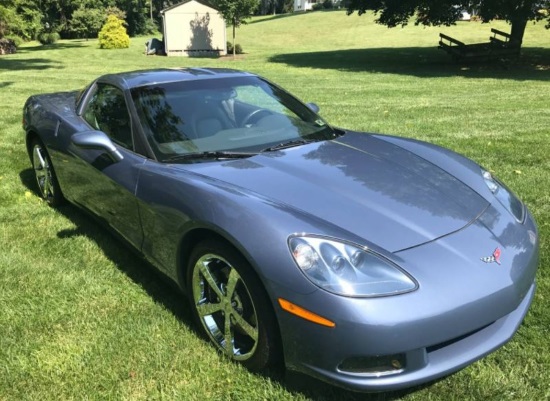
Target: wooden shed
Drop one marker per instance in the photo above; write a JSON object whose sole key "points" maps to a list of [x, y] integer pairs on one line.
{"points": [[193, 28]]}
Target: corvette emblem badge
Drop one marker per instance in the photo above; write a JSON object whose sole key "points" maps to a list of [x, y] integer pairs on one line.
{"points": [[495, 257]]}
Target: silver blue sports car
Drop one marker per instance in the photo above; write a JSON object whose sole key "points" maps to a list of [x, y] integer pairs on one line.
{"points": [[369, 261]]}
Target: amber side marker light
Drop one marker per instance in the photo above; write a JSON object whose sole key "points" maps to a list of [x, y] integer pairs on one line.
{"points": [[304, 313]]}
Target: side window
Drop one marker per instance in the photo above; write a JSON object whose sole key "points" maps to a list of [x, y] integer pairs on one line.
{"points": [[106, 111]]}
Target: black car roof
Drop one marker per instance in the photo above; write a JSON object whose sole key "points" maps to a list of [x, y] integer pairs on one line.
{"points": [[135, 79]]}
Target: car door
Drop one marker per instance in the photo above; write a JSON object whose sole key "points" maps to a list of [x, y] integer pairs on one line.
{"points": [[107, 188]]}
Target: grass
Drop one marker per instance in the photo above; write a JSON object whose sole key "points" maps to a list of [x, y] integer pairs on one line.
{"points": [[82, 318]]}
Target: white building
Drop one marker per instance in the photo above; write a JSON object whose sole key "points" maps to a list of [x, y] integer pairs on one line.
{"points": [[193, 28], [304, 5]]}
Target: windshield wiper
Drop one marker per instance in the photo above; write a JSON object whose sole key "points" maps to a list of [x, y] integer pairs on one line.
{"points": [[288, 144], [218, 155]]}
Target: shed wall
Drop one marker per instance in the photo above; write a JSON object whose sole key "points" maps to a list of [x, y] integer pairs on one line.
{"points": [[193, 29]]}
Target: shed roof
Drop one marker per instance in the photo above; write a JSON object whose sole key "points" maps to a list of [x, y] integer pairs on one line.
{"points": [[203, 2]]}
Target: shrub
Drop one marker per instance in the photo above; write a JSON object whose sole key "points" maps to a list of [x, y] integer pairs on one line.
{"points": [[17, 40], [238, 48], [317, 7], [113, 34], [86, 22], [48, 38], [327, 4]]}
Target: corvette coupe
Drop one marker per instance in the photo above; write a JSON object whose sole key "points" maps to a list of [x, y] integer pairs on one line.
{"points": [[373, 262]]}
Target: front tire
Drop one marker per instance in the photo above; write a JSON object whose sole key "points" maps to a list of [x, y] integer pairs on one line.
{"points": [[231, 307], [45, 174]]}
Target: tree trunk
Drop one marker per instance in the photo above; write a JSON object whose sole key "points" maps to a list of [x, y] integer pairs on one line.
{"points": [[233, 40], [518, 29]]}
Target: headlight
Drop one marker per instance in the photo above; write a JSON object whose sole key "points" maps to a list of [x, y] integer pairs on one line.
{"points": [[504, 196], [345, 269]]}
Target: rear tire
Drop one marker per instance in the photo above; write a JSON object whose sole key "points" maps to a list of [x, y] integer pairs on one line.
{"points": [[48, 186], [231, 307]]}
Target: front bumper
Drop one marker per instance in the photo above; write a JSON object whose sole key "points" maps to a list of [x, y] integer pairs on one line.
{"points": [[423, 364], [464, 309]]}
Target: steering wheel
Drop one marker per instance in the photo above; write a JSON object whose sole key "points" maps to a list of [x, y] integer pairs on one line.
{"points": [[255, 114]]}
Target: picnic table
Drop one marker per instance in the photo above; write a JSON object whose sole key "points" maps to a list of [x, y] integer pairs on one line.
{"points": [[500, 46]]}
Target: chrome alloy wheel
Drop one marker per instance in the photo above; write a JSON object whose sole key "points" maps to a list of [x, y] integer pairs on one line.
{"points": [[43, 173], [225, 307]]}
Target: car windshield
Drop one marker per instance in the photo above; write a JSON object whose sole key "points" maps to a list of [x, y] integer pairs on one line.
{"points": [[224, 116]]}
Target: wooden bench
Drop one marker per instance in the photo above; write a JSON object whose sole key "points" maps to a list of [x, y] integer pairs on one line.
{"points": [[500, 46], [494, 39]]}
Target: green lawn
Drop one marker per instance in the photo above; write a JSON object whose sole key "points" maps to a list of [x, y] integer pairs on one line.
{"points": [[82, 318]]}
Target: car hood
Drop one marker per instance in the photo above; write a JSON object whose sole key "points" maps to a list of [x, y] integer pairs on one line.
{"points": [[362, 184]]}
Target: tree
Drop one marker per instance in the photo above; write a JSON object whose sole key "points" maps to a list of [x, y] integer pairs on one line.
{"points": [[20, 18], [136, 16], [445, 12], [86, 22], [6, 15], [29, 18], [235, 12]]}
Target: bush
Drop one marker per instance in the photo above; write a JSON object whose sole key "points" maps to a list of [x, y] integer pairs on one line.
{"points": [[238, 48], [46, 38], [113, 34], [327, 4], [17, 40], [86, 22], [317, 7]]}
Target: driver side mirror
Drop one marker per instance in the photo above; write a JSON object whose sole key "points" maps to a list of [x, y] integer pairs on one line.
{"points": [[97, 140], [313, 107]]}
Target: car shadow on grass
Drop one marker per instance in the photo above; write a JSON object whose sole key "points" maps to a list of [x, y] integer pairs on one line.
{"points": [[423, 62], [157, 286], [315, 389], [163, 291]]}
